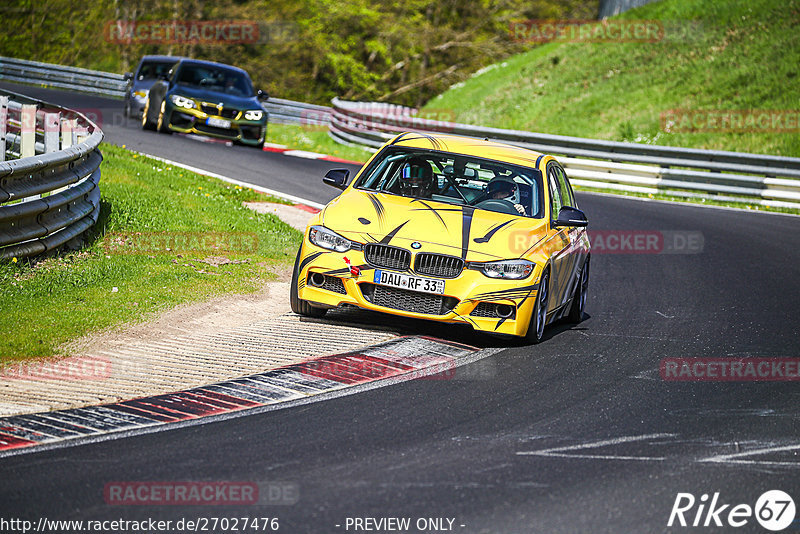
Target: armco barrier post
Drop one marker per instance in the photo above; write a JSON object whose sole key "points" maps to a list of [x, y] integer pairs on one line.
{"points": [[79, 132], [66, 133], [3, 126], [27, 125], [51, 121]]}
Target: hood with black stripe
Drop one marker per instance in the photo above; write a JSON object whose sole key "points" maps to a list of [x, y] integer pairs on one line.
{"points": [[463, 231]]}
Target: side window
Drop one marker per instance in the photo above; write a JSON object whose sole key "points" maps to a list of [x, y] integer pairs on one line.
{"points": [[567, 197], [555, 195]]}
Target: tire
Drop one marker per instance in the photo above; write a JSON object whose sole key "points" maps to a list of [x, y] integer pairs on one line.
{"points": [[160, 126], [299, 306], [579, 298], [146, 124], [539, 315]]}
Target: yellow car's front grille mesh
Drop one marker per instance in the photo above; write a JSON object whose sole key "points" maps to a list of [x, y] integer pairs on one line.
{"points": [[386, 256], [406, 300], [438, 265]]}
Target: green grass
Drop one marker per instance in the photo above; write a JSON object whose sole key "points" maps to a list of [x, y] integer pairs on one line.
{"points": [[716, 55], [48, 302], [314, 139]]}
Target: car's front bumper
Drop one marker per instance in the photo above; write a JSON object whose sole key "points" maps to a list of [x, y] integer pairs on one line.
{"points": [[248, 132], [471, 298], [136, 106]]}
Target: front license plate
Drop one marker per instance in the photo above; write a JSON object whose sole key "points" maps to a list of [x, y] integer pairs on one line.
{"points": [[219, 123], [404, 281]]}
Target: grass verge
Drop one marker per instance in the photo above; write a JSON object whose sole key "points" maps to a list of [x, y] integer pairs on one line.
{"points": [[314, 139], [165, 236], [721, 55]]}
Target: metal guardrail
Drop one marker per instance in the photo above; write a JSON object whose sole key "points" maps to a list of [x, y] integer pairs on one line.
{"points": [[72, 78], [703, 174], [114, 85], [292, 112], [49, 188], [609, 8]]}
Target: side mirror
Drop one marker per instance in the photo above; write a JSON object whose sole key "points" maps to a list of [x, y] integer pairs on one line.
{"points": [[337, 178], [128, 76], [568, 216], [262, 95]]}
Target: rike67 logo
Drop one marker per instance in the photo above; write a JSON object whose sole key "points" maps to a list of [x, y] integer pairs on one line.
{"points": [[774, 510]]}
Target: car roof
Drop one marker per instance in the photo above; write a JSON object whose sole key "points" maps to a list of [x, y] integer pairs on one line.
{"points": [[469, 146], [211, 64], [161, 58]]}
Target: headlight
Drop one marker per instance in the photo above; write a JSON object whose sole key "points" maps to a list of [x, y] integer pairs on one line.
{"points": [[183, 102], [253, 115], [508, 269], [322, 237], [140, 94]]}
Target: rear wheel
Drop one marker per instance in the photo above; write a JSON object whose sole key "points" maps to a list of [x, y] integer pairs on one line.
{"points": [[579, 298], [539, 315], [299, 306]]}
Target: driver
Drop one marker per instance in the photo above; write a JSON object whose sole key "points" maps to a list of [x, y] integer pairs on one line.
{"points": [[416, 178], [504, 189]]}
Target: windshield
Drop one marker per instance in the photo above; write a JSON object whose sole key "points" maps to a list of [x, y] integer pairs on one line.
{"points": [[456, 179], [216, 79], [153, 69]]}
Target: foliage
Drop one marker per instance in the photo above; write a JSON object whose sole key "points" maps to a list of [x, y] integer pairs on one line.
{"points": [[721, 55], [404, 51]]}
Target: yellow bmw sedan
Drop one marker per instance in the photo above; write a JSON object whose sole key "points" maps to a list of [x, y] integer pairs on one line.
{"points": [[449, 229]]}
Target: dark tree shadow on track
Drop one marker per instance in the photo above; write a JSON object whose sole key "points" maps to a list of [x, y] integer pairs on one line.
{"points": [[459, 333]]}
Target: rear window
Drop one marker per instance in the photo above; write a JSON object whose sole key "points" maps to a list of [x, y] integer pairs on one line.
{"points": [[216, 79], [154, 69]]}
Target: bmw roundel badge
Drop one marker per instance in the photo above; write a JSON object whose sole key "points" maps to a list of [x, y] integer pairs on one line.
{"points": [[415, 245]]}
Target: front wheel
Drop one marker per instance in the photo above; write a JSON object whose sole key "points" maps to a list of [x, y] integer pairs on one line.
{"points": [[161, 125], [579, 298], [539, 315], [146, 124], [299, 306]]}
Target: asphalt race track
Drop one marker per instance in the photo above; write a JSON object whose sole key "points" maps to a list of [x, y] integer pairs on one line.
{"points": [[273, 170], [577, 434]]}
